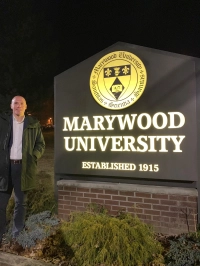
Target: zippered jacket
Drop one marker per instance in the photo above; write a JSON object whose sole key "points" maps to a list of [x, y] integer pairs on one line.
{"points": [[33, 146]]}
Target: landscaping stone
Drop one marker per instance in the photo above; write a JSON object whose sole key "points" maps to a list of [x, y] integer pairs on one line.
{"points": [[7, 259]]}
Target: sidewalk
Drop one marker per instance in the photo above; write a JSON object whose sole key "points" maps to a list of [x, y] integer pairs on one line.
{"points": [[8, 259]]}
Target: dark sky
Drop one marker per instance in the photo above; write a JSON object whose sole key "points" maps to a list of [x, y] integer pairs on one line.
{"points": [[82, 28], [85, 27], [41, 38]]}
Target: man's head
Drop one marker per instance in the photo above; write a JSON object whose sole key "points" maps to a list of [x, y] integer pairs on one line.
{"points": [[18, 105]]}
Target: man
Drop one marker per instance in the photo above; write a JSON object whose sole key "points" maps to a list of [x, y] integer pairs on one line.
{"points": [[21, 145]]}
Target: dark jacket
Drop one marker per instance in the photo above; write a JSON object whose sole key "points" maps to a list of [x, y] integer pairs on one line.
{"points": [[33, 146]]}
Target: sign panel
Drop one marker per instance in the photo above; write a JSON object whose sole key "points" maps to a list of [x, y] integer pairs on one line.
{"points": [[128, 111]]}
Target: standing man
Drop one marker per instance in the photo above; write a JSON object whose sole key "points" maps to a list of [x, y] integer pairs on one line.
{"points": [[21, 145]]}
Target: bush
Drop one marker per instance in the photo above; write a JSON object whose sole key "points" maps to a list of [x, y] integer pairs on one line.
{"points": [[42, 198], [55, 248], [184, 250], [39, 200], [97, 238], [10, 209], [37, 227]]}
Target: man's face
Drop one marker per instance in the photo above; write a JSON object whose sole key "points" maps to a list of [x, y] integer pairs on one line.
{"points": [[18, 105]]}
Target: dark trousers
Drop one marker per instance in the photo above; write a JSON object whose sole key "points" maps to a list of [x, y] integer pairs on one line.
{"points": [[20, 202]]}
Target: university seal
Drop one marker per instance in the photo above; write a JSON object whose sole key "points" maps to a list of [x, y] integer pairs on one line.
{"points": [[118, 80]]}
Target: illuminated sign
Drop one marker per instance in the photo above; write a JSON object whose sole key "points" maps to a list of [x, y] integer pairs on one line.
{"points": [[111, 121], [142, 143], [118, 80]]}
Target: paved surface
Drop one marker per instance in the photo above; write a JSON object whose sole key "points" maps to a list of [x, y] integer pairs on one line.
{"points": [[7, 259]]}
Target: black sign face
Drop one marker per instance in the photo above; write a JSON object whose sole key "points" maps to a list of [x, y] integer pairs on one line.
{"points": [[128, 111]]}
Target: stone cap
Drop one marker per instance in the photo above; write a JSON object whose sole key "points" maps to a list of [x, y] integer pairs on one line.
{"points": [[129, 187]]}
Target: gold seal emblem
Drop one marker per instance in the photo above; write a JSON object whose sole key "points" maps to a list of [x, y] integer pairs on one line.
{"points": [[118, 80]]}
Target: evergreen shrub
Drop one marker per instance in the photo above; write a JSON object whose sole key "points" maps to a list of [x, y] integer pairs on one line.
{"points": [[37, 227], [99, 239], [184, 250], [42, 198], [10, 209], [39, 199], [54, 247]]}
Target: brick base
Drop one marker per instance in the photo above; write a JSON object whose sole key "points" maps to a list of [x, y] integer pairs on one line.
{"points": [[169, 210]]}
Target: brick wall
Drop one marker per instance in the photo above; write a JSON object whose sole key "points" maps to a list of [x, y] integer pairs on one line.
{"points": [[168, 210]]}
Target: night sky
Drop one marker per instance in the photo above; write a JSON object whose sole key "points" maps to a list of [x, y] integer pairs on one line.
{"points": [[42, 38], [85, 27]]}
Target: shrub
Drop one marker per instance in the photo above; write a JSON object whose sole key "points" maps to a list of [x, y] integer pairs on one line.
{"points": [[97, 238], [10, 209], [55, 248], [184, 250], [42, 198], [8, 234], [39, 200], [37, 227]]}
